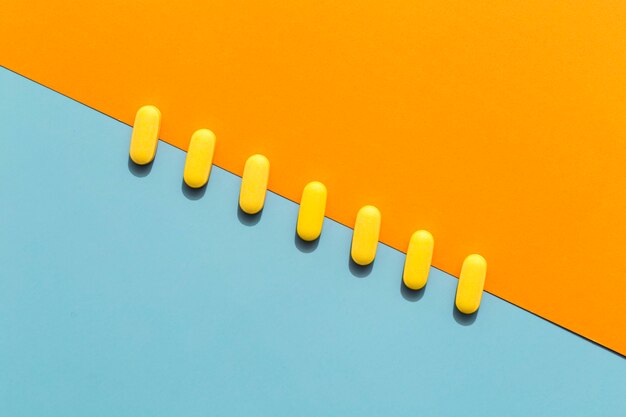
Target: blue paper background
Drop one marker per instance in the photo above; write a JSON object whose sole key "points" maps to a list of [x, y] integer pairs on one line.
{"points": [[122, 293]]}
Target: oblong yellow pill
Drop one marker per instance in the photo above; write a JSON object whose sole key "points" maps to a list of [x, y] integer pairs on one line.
{"points": [[254, 184], [145, 137], [419, 255], [365, 236], [199, 158], [311, 212], [471, 283]]}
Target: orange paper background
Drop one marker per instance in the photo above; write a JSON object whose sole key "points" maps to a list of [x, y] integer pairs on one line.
{"points": [[499, 126]]}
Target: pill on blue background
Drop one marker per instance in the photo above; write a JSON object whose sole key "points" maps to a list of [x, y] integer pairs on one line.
{"points": [[256, 174], [419, 256], [199, 158], [471, 283], [145, 136], [311, 212], [365, 235]]}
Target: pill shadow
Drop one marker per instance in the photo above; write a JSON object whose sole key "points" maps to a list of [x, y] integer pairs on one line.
{"points": [[359, 271], [248, 219], [193, 193], [411, 295], [139, 171], [463, 319], [305, 246]]}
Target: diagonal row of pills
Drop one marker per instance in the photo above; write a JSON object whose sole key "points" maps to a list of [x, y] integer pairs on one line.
{"points": [[143, 146]]}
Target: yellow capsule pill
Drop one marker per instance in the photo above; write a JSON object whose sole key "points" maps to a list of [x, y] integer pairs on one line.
{"points": [[254, 184], [471, 283], [145, 137], [418, 258], [365, 236], [312, 209], [199, 158]]}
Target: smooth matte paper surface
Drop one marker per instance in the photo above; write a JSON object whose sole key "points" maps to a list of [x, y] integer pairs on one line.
{"points": [[497, 125], [124, 293]]}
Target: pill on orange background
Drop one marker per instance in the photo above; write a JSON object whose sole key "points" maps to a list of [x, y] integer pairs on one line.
{"points": [[145, 136], [365, 235], [471, 283], [199, 158], [419, 255], [311, 212], [256, 174]]}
